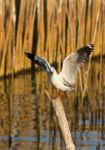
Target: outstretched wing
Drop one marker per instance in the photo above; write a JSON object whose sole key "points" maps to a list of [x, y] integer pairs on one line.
{"points": [[39, 61], [72, 62]]}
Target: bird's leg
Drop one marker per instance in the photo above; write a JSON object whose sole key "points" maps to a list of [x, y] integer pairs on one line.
{"points": [[60, 93]]}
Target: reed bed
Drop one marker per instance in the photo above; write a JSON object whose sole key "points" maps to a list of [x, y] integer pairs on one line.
{"points": [[51, 29]]}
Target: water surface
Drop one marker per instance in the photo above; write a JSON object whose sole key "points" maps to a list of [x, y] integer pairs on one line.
{"points": [[28, 122]]}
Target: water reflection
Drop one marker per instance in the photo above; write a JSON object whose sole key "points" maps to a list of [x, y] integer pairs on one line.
{"points": [[27, 120]]}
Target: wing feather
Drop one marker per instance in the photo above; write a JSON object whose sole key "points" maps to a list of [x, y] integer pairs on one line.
{"points": [[72, 62], [39, 61]]}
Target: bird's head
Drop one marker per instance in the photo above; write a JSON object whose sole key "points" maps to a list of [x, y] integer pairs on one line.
{"points": [[52, 69]]}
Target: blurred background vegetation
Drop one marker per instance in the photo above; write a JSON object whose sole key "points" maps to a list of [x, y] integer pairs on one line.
{"points": [[51, 29], [48, 28]]}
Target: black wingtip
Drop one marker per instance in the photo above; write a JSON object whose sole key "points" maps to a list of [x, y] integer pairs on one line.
{"points": [[29, 55], [26, 53], [91, 46]]}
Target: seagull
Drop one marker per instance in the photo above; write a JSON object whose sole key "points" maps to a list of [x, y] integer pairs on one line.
{"points": [[65, 80]]}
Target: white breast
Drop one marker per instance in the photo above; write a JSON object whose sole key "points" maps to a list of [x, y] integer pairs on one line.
{"points": [[57, 82]]}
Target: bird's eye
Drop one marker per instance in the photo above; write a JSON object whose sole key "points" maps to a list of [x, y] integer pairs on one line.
{"points": [[52, 69]]}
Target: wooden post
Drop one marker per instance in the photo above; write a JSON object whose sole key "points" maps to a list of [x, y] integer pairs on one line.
{"points": [[62, 121]]}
